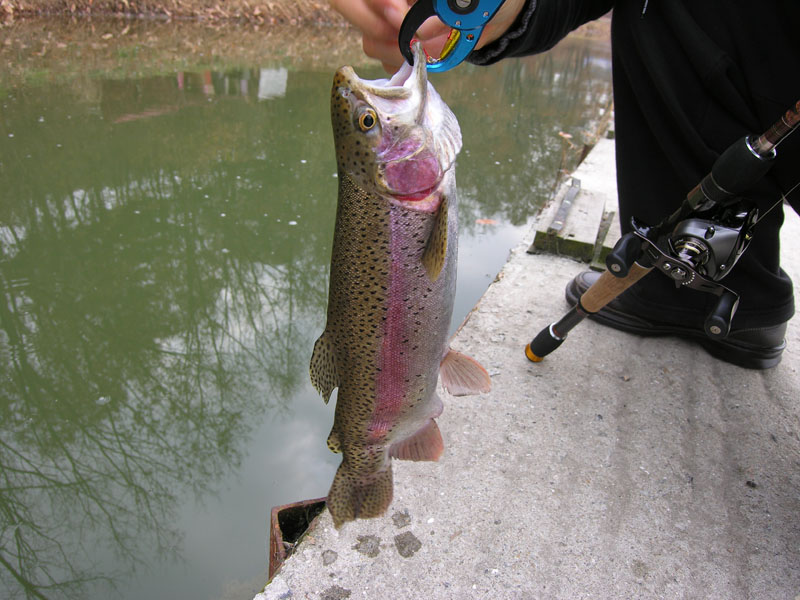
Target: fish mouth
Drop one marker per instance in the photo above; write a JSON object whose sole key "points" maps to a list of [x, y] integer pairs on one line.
{"points": [[408, 168], [409, 81], [415, 76]]}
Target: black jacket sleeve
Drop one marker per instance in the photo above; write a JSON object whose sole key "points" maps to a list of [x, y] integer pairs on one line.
{"points": [[540, 26]]}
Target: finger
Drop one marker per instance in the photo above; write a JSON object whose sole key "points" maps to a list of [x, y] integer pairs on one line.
{"points": [[395, 13], [388, 52], [433, 46], [367, 17], [432, 28]]}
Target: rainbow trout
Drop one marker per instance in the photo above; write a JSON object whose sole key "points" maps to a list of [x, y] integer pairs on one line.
{"points": [[392, 283]]}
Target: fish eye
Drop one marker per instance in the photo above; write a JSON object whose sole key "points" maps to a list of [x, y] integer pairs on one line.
{"points": [[367, 120]]}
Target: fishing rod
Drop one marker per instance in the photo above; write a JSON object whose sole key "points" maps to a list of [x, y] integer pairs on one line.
{"points": [[696, 246]]}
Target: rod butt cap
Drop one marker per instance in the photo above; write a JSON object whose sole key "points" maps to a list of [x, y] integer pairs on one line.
{"points": [[531, 356]]}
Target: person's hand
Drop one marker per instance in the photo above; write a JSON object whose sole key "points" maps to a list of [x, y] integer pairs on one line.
{"points": [[380, 20]]}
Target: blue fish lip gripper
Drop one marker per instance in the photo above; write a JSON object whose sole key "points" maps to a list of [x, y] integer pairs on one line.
{"points": [[466, 19]]}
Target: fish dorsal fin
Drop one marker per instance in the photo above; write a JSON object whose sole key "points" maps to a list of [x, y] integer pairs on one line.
{"points": [[323, 367], [436, 249], [463, 376], [426, 444]]}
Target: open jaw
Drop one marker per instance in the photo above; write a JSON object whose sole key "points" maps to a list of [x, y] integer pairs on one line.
{"points": [[405, 82], [410, 164], [408, 167]]}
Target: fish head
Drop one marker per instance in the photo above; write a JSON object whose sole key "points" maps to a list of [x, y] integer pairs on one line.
{"points": [[394, 136]]}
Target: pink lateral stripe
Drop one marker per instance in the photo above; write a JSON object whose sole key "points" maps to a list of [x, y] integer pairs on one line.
{"points": [[390, 380]]}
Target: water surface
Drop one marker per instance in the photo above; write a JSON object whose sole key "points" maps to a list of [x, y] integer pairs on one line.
{"points": [[164, 247]]}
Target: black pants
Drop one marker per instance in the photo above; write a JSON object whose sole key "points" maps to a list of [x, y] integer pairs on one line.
{"points": [[690, 78]]}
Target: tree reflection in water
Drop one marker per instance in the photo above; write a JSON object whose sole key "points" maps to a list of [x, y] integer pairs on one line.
{"points": [[143, 334], [164, 254]]}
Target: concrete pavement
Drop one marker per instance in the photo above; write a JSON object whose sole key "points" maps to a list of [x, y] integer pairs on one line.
{"points": [[619, 467]]}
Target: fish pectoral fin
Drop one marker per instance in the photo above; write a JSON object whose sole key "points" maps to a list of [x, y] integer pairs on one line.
{"points": [[436, 249], [323, 367], [426, 444], [354, 496], [463, 376]]}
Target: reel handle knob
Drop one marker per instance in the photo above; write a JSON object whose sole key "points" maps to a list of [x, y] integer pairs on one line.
{"points": [[718, 322], [622, 256]]}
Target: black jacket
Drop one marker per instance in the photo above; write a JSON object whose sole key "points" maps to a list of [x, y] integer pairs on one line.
{"points": [[690, 78]]}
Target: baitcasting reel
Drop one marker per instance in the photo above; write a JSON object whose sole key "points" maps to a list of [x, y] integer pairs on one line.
{"points": [[696, 254]]}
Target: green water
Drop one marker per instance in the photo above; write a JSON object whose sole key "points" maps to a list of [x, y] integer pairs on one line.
{"points": [[164, 248]]}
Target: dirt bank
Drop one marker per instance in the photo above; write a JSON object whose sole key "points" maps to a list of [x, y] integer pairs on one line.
{"points": [[291, 12], [257, 11], [62, 49]]}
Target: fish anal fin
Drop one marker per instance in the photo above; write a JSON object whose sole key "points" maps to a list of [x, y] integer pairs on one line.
{"points": [[426, 444], [359, 497], [323, 367], [436, 249], [463, 376]]}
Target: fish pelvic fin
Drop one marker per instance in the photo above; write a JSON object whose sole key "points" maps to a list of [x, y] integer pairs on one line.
{"points": [[463, 376], [354, 496], [323, 367], [426, 444], [334, 445], [435, 251]]}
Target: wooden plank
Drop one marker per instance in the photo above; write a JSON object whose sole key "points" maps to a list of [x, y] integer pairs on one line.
{"points": [[581, 224], [607, 237], [557, 224]]}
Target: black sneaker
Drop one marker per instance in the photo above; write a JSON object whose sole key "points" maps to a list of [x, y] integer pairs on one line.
{"points": [[750, 348]]}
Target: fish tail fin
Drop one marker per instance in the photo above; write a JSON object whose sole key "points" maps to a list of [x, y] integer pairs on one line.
{"points": [[357, 497], [426, 444], [463, 376]]}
